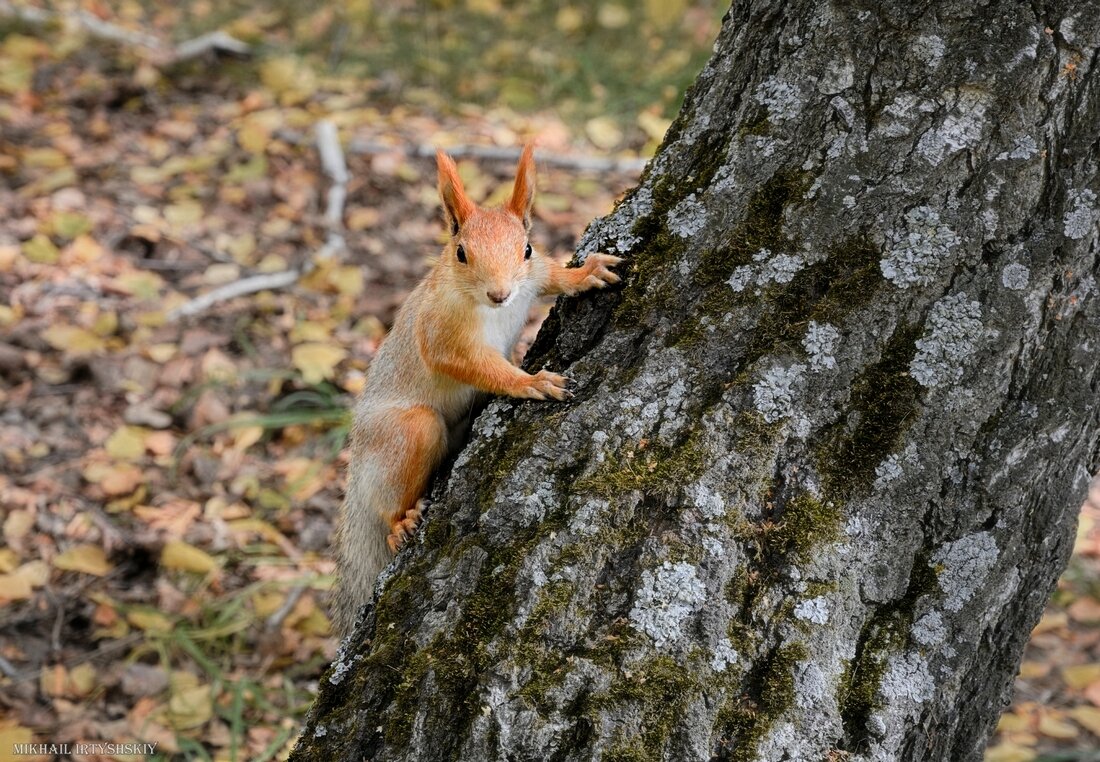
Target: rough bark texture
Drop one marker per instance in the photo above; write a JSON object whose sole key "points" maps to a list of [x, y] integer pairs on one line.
{"points": [[828, 445]]}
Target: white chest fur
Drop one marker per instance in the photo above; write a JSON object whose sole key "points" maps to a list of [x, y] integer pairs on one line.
{"points": [[501, 326]]}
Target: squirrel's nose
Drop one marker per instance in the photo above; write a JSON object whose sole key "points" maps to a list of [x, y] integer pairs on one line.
{"points": [[498, 297]]}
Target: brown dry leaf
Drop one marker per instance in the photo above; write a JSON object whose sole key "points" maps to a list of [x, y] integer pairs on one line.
{"points": [[53, 680], [1052, 620], [180, 555], [20, 584], [1092, 693], [121, 479], [88, 559], [1085, 610]]}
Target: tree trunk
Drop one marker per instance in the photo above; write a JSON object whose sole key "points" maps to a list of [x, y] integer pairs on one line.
{"points": [[828, 443]]}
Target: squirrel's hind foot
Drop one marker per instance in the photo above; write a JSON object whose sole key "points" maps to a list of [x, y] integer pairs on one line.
{"points": [[401, 529]]}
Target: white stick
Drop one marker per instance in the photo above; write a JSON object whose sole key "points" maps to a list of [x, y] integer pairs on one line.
{"points": [[104, 30], [490, 153], [332, 161]]}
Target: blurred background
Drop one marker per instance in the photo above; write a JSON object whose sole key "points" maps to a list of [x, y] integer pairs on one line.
{"points": [[170, 453]]}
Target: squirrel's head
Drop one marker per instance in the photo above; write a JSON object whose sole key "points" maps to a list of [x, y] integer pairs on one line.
{"points": [[489, 253]]}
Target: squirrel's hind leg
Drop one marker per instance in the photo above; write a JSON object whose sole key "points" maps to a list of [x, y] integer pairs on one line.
{"points": [[425, 445]]}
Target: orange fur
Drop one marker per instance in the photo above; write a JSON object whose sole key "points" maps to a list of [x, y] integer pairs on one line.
{"points": [[450, 340]]}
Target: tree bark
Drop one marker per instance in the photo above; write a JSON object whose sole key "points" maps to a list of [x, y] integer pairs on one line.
{"points": [[829, 441]]}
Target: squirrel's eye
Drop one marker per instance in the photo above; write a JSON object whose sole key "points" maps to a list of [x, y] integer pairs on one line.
{"points": [[527, 252], [461, 253]]}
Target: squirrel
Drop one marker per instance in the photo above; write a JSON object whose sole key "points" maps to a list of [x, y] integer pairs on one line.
{"points": [[450, 341]]}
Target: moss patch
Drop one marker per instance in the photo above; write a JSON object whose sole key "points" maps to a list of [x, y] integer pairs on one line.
{"points": [[662, 688], [654, 469], [884, 401], [743, 721]]}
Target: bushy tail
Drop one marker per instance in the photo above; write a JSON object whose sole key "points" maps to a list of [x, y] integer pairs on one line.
{"points": [[361, 549]]}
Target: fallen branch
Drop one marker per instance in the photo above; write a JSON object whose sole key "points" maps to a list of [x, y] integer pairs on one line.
{"points": [[164, 54], [627, 164], [332, 161]]}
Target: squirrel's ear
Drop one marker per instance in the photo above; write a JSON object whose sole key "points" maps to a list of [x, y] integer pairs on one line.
{"points": [[456, 205], [523, 194]]}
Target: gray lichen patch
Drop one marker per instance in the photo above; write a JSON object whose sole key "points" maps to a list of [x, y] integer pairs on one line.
{"points": [[961, 128], [815, 610], [919, 249], [687, 218], [1015, 276], [774, 394], [724, 655], [783, 99], [964, 566], [1080, 218], [908, 679], [820, 343], [953, 330], [668, 597]]}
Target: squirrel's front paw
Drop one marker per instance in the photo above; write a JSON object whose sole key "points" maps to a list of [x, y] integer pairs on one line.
{"points": [[546, 384], [599, 270]]}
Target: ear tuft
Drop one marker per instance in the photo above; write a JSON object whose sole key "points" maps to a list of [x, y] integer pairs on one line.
{"points": [[457, 207], [523, 193]]}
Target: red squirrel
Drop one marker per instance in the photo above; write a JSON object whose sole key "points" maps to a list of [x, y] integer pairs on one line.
{"points": [[450, 340]]}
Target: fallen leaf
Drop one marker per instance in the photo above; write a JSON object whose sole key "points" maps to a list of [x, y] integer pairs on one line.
{"points": [[1009, 752], [316, 361], [88, 559], [1080, 676], [1087, 717], [73, 339], [127, 443], [1052, 724], [603, 132], [180, 555]]}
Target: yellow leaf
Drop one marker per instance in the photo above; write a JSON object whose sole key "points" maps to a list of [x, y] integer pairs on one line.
{"points": [[654, 126], [179, 555], [149, 620], [8, 560], [1088, 717], [82, 679], [266, 604], [613, 16], [14, 734], [41, 250], [183, 213], [17, 524], [161, 352], [1053, 725], [317, 361], [1080, 676], [73, 340], [50, 158], [603, 132], [1011, 722], [89, 559], [1009, 752], [569, 19], [127, 443], [190, 707], [254, 136], [220, 273]]}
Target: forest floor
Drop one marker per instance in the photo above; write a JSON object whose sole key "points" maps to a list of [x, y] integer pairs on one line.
{"points": [[168, 485]]}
